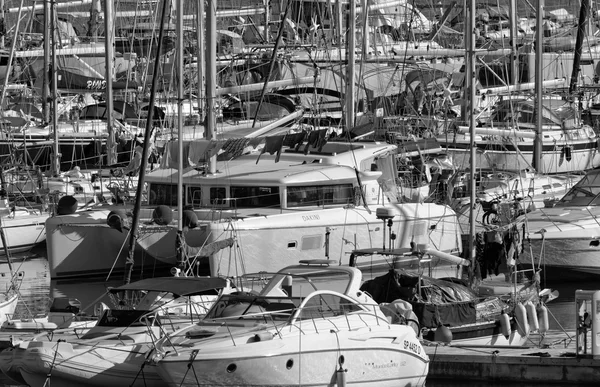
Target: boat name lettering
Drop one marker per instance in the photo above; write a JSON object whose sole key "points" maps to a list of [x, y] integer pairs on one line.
{"points": [[413, 347], [310, 217], [96, 84], [387, 365]]}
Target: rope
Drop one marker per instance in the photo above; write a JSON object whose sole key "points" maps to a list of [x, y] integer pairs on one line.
{"points": [[49, 375]]}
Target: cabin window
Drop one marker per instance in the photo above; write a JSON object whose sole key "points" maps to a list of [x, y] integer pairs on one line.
{"points": [[194, 196], [218, 196], [319, 195], [326, 305], [255, 197], [163, 194], [292, 245], [311, 242]]}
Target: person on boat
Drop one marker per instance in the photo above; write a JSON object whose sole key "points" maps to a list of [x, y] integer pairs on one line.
{"points": [[136, 161], [419, 99], [75, 173], [401, 103]]}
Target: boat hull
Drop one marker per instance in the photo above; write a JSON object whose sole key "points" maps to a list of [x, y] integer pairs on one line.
{"points": [[382, 357], [583, 155], [83, 246], [566, 258], [291, 236], [8, 304], [23, 230], [66, 365]]}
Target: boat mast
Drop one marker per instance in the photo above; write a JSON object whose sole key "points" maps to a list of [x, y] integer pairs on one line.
{"points": [[351, 55], [46, 73], [133, 235], [211, 71], [3, 32], [180, 193], [200, 60], [581, 27], [55, 36], [470, 89], [11, 55], [109, 57], [514, 62], [539, 78]]}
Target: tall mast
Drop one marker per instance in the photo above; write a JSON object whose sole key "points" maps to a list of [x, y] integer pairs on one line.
{"points": [[211, 71], [46, 74], [351, 55], [109, 57], [180, 193], [581, 27], [201, 61], [133, 234], [13, 46], [470, 83], [3, 32], [55, 36], [539, 78], [514, 64]]}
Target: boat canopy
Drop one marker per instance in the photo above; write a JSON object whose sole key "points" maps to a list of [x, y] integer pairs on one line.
{"points": [[178, 286]]}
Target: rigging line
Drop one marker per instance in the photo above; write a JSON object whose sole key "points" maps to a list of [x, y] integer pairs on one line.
{"points": [[278, 41]]}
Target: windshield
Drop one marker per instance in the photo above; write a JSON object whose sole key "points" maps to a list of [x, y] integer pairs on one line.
{"points": [[585, 193]]}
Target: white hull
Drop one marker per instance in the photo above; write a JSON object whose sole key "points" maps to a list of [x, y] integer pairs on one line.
{"points": [[23, 230], [83, 245], [567, 258], [74, 366], [367, 365], [373, 355], [296, 236], [553, 161], [8, 304]]}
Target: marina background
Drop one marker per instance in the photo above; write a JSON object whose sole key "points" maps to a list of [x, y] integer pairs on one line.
{"points": [[38, 289]]}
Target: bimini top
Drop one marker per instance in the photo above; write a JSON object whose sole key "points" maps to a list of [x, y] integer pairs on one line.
{"points": [[178, 286]]}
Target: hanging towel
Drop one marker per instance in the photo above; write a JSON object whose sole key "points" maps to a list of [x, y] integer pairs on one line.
{"points": [[234, 147], [255, 141], [202, 150], [316, 139], [295, 140], [170, 157], [273, 144], [197, 151]]}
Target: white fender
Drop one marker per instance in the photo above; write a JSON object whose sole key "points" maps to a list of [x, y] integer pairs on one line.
{"points": [[522, 323], [505, 324], [542, 313], [534, 324]]}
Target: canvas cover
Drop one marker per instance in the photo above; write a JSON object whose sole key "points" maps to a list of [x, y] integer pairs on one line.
{"points": [[439, 301]]}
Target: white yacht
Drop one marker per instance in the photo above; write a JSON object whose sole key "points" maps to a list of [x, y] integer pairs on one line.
{"points": [[319, 203]]}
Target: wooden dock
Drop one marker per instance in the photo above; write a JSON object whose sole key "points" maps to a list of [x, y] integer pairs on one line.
{"points": [[553, 361]]}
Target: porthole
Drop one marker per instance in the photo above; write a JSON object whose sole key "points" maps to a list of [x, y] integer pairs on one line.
{"points": [[289, 364], [231, 368]]}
